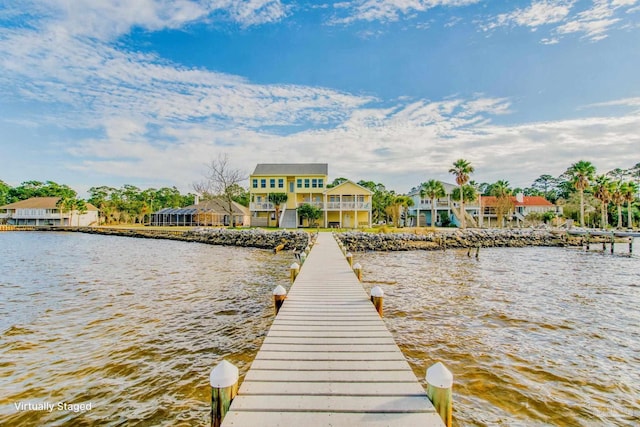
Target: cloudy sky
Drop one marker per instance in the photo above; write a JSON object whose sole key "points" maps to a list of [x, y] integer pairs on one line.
{"points": [[146, 92]]}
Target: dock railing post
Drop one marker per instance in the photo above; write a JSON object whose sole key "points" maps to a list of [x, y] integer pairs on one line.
{"points": [[377, 297], [294, 269], [224, 388], [613, 242], [630, 245], [350, 259], [357, 268], [439, 390], [279, 295], [303, 257]]}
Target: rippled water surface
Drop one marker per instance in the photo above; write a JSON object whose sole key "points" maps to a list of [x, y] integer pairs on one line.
{"points": [[132, 326], [534, 336]]}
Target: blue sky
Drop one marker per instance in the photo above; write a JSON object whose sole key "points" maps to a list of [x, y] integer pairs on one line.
{"points": [[146, 92]]}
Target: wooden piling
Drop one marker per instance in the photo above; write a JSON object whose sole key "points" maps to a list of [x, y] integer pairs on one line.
{"points": [[630, 245], [303, 257], [478, 252], [586, 241], [224, 388], [357, 268], [294, 269], [613, 241], [377, 298], [439, 390], [350, 259], [279, 295]]}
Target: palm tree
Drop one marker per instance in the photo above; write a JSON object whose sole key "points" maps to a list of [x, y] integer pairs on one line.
{"points": [[80, 206], [618, 198], [630, 190], [397, 206], [461, 169], [433, 189], [602, 193], [502, 191], [581, 174], [278, 199]]}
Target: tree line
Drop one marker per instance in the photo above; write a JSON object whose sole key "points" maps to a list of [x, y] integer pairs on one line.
{"points": [[609, 198]]}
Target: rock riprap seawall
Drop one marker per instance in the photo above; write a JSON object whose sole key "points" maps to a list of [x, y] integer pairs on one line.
{"points": [[469, 238], [253, 238]]}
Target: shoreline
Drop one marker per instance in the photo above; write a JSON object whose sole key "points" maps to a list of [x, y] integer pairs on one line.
{"points": [[354, 241]]}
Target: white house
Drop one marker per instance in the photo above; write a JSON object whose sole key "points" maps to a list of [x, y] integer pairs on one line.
{"points": [[44, 211]]}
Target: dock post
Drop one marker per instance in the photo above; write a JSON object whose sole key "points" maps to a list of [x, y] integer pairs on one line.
{"points": [[307, 250], [303, 257], [350, 259], [613, 242], [439, 390], [604, 245], [377, 297], [586, 240], [279, 295], [357, 268], [478, 251], [294, 269], [224, 388], [630, 245]]}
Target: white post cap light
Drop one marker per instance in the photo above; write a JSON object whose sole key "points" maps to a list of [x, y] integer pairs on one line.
{"points": [[377, 291], [279, 290], [223, 375], [439, 376]]}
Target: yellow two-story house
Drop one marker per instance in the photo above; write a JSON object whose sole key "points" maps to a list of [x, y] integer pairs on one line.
{"points": [[346, 205]]}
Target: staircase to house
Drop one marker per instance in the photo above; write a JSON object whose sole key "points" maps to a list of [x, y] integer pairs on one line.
{"points": [[470, 221], [288, 219]]}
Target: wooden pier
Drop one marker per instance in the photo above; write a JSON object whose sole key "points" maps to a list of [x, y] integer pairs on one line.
{"points": [[329, 360]]}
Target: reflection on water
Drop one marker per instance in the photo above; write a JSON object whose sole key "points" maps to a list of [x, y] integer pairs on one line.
{"points": [[132, 326], [534, 336]]}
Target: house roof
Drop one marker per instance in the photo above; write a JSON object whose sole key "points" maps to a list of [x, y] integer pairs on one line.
{"points": [[332, 189], [448, 189], [291, 169], [216, 205], [40, 203], [526, 201]]}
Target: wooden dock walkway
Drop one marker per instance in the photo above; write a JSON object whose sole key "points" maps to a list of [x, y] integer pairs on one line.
{"points": [[329, 360]]}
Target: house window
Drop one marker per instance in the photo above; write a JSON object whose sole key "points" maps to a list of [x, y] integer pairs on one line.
{"points": [[321, 183], [263, 183], [314, 183], [306, 183], [255, 183], [281, 183], [299, 183], [272, 183]]}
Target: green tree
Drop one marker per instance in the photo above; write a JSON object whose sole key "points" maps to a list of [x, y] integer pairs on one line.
{"points": [[618, 198], [433, 189], [547, 184], [309, 212], [581, 174], [4, 193], [29, 189], [461, 170], [629, 192], [278, 199], [601, 188], [380, 199], [397, 207]]}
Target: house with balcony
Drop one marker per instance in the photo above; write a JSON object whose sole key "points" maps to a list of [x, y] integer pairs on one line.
{"points": [[420, 213], [520, 207], [44, 211], [346, 205]]}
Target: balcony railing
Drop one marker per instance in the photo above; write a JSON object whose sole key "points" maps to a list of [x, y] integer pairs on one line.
{"points": [[266, 206], [316, 204], [348, 206], [22, 215]]}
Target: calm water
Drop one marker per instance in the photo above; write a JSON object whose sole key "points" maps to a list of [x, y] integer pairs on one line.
{"points": [[534, 336]]}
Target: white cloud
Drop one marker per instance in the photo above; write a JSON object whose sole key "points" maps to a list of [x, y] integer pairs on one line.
{"points": [[562, 17], [537, 14], [388, 10]]}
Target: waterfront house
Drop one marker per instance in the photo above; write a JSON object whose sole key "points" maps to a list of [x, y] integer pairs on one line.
{"points": [[45, 211], [521, 206], [211, 212], [346, 205], [420, 213]]}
